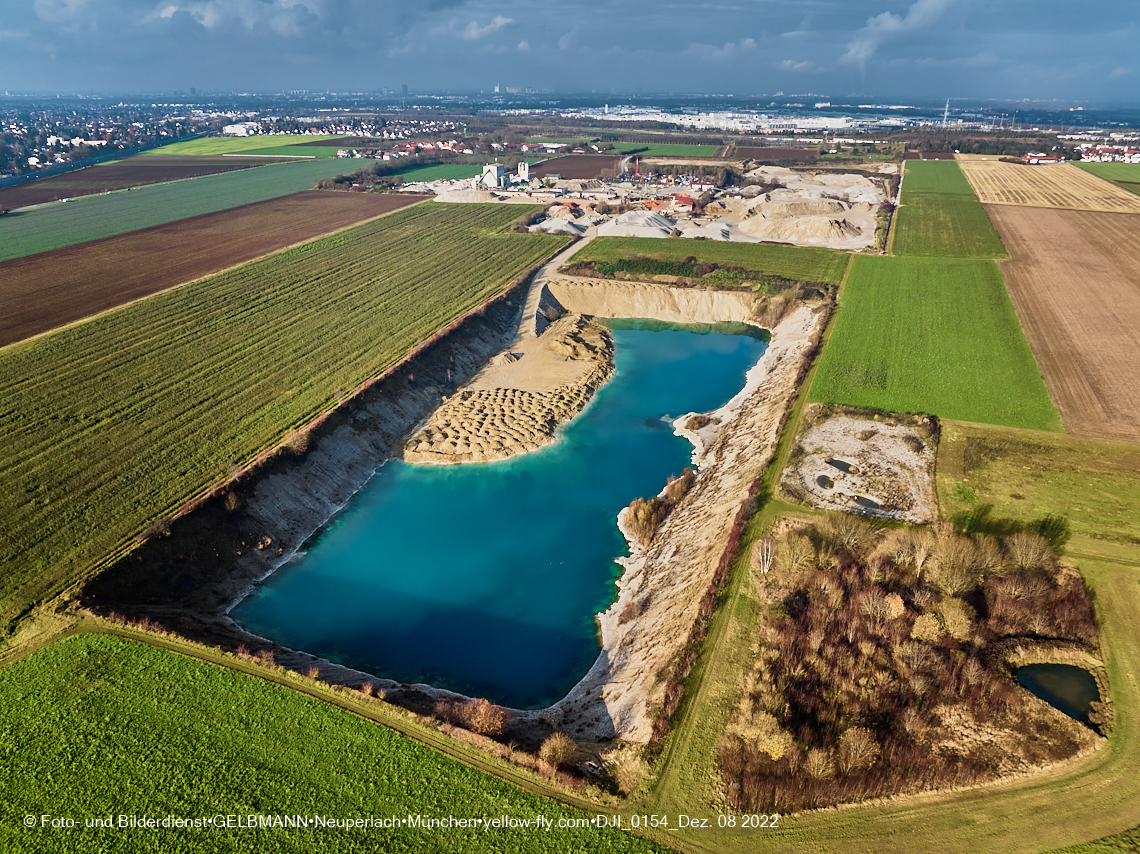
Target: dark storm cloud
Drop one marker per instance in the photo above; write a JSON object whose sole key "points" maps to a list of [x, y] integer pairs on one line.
{"points": [[931, 48]]}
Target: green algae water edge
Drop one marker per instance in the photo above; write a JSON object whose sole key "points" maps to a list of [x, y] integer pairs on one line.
{"points": [[485, 578]]}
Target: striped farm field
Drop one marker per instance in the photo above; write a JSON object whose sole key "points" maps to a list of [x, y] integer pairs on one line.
{"points": [[109, 424], [1124, 175], [93, 217], [937, 336], [1061, 185], [118, 175], [51, 289]]}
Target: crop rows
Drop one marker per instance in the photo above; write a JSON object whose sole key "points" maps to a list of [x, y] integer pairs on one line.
{"points": [[142, 731], [93, 217], [933, 336], [111, 423], [1057, 186], [940, 217], [806, 264]]}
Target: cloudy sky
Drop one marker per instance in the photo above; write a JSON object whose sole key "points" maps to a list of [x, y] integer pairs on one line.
{"points": [[1037, 49]]}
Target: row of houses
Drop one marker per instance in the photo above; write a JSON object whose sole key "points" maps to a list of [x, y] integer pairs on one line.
{"points": [[1109, 153]]}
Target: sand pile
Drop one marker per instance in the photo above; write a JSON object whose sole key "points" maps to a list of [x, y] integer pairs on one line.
{"points": [[467, 196], [851, 188], [557, 226], [807, 231], [718, 231], [788, 208], [638, 224], [493, 420]]}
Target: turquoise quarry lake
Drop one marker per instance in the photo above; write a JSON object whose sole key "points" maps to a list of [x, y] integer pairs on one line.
{"points": [[486, 578]]}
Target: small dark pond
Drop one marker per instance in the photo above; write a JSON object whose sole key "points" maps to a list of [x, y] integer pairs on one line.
{"points": [[1070, 689], [824, 481], [843, 465], [864, 501]]}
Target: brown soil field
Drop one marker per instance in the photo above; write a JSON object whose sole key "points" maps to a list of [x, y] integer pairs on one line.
{"points": [[1057, 186], [1074, 277], [580, 166], [44, 291], [775, 153], [928, 155], [119, 174]]}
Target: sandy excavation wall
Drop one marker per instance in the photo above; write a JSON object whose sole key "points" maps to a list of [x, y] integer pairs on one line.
{"points": [[663, 583], [606, 298]]}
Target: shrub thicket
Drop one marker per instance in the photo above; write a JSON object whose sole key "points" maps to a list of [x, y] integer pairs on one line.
{"points": [[875, 655]]}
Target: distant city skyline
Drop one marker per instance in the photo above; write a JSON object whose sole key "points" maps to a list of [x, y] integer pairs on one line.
{"points": [[924, 49]]}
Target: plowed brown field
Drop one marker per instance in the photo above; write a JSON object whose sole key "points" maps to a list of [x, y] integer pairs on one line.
{"points": [[1074, 277], [41, 292], [1059, 186], [132, 172]]}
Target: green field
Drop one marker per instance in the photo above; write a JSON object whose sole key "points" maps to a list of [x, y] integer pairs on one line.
{"points": [[668, 150], [944, 226], [111, 423], [940, 217], [442, 172], [121, 728], [806, 264], [1093, 483], [212, 146], [1124, 175], [311, 152], [933, 336], [936, 176], [92, 217]]}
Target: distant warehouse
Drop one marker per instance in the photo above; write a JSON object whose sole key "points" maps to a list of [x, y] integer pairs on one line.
{"points": [[242, 129]]}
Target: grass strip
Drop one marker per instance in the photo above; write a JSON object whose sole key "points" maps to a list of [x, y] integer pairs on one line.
{"points": [[807, 264]]}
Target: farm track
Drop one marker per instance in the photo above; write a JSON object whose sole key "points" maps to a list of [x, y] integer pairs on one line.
{"points": [[1074, 278], [114, 422], [120, 174], [1060, 186], [55, 288]]}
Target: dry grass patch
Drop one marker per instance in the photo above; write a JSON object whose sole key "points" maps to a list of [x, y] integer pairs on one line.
{"points": [[1060, 186]]}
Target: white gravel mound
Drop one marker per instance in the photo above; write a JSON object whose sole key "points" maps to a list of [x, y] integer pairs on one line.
{"points": [[638, 224], [557, 226]]}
